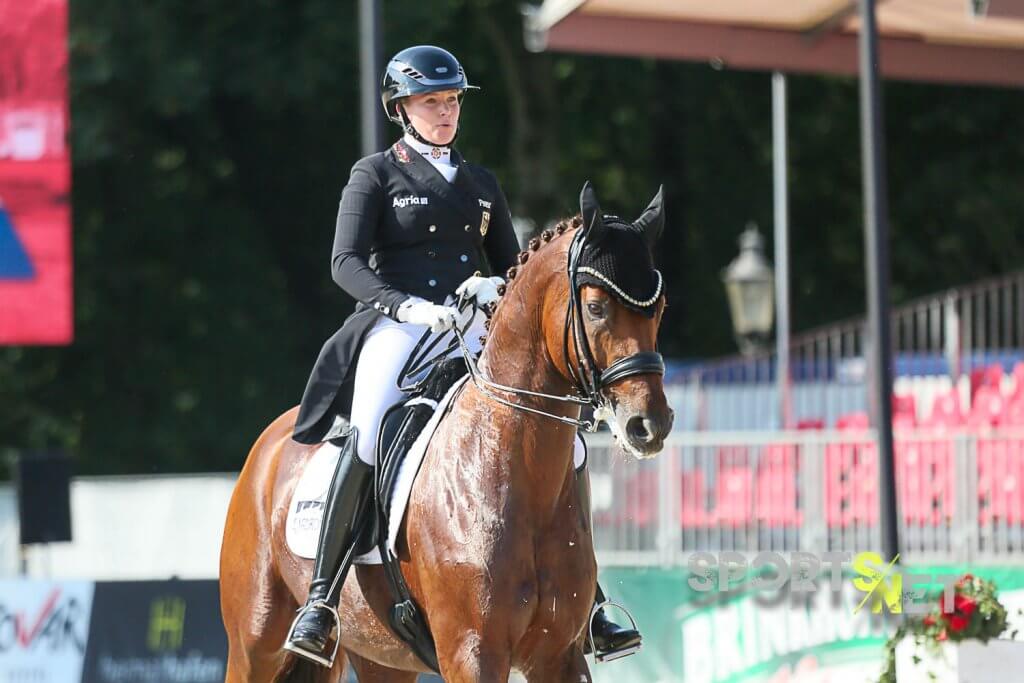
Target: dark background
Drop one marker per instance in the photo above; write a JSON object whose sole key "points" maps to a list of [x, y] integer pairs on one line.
{"points": [[211, 141]]}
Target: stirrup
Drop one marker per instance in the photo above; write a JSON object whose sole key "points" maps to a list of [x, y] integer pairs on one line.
{"points": [[615, 654], [308, 654]]}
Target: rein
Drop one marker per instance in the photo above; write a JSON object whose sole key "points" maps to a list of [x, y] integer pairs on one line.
{"points": [[588, 378]]}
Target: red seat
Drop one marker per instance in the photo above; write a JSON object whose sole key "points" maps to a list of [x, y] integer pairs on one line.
{"points": [[988, 376], [924, 481], [1000, 491], [851, 484], [734, 496], [641, 500], [904, 406], [946, 413], [986, 409], [776, 492], [1018, 382], [903, 422], [858, 421], [1013, 415], [693, 513]]}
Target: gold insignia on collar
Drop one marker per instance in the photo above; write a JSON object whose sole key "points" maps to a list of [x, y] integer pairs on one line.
{"points": [[485, 222], [435, 152]]}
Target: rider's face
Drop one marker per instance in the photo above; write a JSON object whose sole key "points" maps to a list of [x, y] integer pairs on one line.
{"points": [[434, 115]]}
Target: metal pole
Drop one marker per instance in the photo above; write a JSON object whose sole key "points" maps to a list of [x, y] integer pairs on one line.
{"points": [[781, 182], [876, 246], [370, 71]]}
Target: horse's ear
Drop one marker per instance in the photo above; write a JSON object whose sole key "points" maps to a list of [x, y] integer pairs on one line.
{"points": [[652, 220], [593, 224]]}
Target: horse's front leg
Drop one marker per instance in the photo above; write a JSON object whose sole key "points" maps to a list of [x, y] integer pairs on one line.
{"points": [[470, 659], [570, 668]]}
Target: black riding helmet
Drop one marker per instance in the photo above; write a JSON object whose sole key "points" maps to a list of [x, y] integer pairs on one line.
{"points": [[415, 71]]}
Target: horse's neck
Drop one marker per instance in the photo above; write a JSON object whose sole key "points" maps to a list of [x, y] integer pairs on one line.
{"points": [[516, 355]]}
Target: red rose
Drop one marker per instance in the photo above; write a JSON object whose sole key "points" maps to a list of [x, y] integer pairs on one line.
{"points": [[958, 623], [942, 635], [929, 620], [964, 605], [964, 580]]}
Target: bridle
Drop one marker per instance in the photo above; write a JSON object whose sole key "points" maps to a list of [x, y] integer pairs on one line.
{"points": [[590, 381], [587, 376]]}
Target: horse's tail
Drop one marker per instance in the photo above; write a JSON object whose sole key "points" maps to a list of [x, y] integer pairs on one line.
{"points": [[299, 670]]}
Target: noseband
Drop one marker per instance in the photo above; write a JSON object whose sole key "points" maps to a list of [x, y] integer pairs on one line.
{"points": [[589, 380]]}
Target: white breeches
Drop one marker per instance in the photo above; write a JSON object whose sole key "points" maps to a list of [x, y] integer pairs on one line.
{"points": [[384, 352]]}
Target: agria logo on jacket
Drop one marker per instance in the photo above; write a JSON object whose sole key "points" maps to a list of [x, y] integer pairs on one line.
{"points": [[402, 202]]}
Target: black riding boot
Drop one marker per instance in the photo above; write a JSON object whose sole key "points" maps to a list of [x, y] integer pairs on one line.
{"points": [[611, 641], [345, 513]]}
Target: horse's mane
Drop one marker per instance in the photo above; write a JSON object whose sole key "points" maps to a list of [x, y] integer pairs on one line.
{"points": [[535, 244]]}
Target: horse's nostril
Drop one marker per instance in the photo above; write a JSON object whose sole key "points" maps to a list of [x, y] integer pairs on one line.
{"points": [[640, 429]]}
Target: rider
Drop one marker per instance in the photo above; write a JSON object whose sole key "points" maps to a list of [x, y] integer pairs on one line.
{"points": [[414, 227]]}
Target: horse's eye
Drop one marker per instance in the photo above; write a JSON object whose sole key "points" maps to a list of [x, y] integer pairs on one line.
{"points": [[595, 309]]}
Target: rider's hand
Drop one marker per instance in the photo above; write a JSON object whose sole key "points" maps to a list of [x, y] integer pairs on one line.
{"points": [[422, 312], [483, 289]]}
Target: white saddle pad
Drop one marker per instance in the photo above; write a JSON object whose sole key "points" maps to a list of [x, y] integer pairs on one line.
{"points": [[306, 510]]}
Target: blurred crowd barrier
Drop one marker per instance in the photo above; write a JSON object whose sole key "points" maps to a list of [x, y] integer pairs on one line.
{"points": [[959, 495]]}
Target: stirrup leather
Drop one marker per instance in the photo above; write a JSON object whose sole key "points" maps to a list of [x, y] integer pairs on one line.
{"points": [[603, 657], [307, 654]]}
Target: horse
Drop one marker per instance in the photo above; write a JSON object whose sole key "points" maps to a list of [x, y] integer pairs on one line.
{"points": [[495, 547]]}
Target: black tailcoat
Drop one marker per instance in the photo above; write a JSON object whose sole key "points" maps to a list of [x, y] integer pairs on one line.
{"points": [[402, 230]]}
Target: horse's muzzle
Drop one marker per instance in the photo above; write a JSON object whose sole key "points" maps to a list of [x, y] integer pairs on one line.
{"points": [[646, 432]]}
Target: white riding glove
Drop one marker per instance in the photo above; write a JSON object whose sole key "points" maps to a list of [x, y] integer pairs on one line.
{"points": [[421, 312], [483, 289]]}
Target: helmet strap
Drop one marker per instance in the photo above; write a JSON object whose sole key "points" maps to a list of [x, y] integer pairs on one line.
{"points": [[408, 127], [411, 129]]}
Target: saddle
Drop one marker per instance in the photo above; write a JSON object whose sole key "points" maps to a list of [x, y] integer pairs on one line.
{"points": [[399, 429]]}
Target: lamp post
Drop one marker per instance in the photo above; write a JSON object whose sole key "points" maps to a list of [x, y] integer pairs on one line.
{"points": [[750, 286]]}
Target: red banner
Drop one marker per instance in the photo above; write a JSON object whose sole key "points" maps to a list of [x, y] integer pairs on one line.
{"points": [[35, 174]]}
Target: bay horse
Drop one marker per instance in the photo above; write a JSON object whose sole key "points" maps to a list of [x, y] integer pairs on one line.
{"points": [[495, 548]]}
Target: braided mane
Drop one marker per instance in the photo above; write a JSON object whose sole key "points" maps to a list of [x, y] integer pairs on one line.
{"points": [[535, 244]]}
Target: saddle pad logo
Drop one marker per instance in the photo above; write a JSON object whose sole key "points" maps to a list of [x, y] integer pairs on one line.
{"points": [[485, 222], [411, 200]]}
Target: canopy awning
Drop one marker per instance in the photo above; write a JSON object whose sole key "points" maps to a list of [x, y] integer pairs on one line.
{"points": [[951, 41]]}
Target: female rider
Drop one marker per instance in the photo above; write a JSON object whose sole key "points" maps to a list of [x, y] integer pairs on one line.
{"points": [[414, 226]]}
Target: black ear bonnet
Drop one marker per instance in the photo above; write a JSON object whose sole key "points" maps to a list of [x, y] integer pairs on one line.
{"points": [[616, 255]]}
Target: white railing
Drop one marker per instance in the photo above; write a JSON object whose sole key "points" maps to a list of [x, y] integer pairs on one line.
{"points": [[946, 335], [960, 496]]}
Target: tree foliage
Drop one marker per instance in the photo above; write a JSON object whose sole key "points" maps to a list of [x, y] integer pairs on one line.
{"points": [[211, 141]]}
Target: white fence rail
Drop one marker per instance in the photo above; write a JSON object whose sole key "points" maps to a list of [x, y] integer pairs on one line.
{"points": [[960, 496]]}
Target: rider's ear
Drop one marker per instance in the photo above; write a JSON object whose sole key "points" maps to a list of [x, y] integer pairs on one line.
{"points": [[652, 220], [593, 224]]}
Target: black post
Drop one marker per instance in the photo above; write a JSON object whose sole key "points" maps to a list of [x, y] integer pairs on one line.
{"points": [[876, 247], [370, 72]]}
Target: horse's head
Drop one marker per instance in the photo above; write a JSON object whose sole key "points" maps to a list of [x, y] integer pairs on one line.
{"points": [[617, 301]]}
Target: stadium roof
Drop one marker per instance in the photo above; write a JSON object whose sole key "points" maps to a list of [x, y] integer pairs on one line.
{"points": [[952, 41]]}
